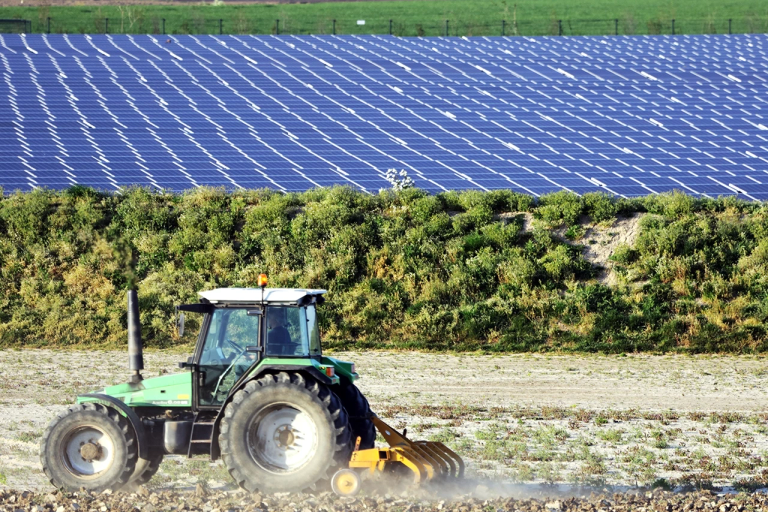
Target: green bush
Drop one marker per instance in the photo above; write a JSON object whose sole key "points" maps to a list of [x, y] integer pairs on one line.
{"points": [[599, 206], [560, 208], [452, 271]]}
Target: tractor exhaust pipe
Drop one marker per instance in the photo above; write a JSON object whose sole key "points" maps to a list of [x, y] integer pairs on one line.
{"points": [[135, 349]]}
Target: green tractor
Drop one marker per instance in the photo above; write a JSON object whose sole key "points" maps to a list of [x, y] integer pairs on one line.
{"points": [[258, 393]]}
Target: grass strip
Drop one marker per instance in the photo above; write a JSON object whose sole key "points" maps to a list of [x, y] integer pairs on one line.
{"points": [[422, 18]]}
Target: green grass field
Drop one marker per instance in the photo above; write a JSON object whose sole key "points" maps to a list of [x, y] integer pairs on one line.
{"points": [[427, 18]]}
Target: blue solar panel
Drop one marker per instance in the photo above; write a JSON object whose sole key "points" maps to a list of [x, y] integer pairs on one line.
{"points": [[625, 115]]}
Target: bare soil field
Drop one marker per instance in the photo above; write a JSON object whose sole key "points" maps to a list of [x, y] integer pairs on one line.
{"points": [[551, 427]]}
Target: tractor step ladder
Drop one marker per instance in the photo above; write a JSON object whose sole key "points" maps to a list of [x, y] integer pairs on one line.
{"points": [[201, 436]]}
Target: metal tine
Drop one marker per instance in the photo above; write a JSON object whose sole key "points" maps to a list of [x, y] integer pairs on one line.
{"points": [[408, 453], [435, 462], [438, 450], [445, 468], [402, 455]]}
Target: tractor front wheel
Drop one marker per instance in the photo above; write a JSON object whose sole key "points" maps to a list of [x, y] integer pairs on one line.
{"points": [[88, 446], [146, 469], [284, 433]]}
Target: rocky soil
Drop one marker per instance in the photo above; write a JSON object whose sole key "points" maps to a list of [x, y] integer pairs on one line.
{"points": [[148, 501]]}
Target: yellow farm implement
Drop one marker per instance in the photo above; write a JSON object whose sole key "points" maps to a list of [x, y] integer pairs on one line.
{"points": [[427, 460]]}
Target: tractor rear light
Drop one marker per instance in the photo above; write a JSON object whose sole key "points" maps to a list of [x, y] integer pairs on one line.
{"points": [[352, 368], [330, 371], [262, 280]]}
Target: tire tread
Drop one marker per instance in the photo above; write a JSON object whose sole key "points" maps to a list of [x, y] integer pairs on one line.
{"points": [[330, 401]]}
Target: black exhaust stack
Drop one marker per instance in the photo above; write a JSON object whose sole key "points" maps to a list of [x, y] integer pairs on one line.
{"points": [[135, 349]]}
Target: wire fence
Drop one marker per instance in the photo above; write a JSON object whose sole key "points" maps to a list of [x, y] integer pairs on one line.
{"points": [[396, 27], [15, 26]]}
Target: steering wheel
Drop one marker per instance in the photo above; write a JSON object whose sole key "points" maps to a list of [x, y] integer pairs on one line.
{"points": [[237, 349], [231, 368]]}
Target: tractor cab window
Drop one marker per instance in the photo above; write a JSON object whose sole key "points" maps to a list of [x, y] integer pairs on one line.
{"points": [[224, 359], [313, 330], [292, 331]]}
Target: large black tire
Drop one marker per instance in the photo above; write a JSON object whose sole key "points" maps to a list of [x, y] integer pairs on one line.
{"points": [[359, 412], [284, 433], [110, 441], [145, 469]]}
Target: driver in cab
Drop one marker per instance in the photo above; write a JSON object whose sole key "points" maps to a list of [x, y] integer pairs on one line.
{"points": [[279, 340]]}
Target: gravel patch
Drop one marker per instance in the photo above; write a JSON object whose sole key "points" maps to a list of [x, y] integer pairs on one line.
{"points": [[148, 501]]}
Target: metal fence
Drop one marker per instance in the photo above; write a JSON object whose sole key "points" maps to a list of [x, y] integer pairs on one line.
{"points": [[393, 26], [15, 26]]}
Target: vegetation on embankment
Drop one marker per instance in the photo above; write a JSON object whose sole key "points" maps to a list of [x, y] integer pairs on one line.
{"points": [[453, 271]]}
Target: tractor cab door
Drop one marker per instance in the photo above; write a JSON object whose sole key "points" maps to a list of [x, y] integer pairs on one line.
{"points": [[232, 345]]}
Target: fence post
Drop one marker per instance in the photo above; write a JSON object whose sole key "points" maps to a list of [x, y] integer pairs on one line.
{"points": [[334, 27], [390, 27], [49, 24], [446, 28], [503, 27], [106, 25], [163, 26], [221, 27], [616, 26], [277, 27], [729, 26], [673, 26], [559, 27]]}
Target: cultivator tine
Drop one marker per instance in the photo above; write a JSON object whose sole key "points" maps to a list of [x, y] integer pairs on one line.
{"points": [[432, 466], [427, 460], [452, 460], [410, 458], [439, 464], [446, 465]]}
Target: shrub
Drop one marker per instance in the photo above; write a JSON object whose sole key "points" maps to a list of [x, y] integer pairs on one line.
{"points": [[559, 208], [402, 268], [599, 206]]}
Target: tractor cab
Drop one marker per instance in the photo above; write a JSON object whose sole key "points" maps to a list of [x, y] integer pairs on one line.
{"points": [[243, 327]]}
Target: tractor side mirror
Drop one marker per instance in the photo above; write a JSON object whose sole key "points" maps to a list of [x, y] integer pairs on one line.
{"points": [[187, 364], [181, 325]]}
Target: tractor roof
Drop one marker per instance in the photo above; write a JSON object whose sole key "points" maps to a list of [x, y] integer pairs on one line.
{"points": [[253, 295]]}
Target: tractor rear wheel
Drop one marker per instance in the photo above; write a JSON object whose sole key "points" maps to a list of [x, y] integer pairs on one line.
{"points": [[359, 414], [284, 433], [88, 446]]}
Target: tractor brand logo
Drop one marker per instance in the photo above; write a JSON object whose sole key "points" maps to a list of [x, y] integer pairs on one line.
{"points": [[170, 402]]}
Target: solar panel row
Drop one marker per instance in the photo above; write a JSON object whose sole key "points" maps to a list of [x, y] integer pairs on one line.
{"points": [[625, 115]]}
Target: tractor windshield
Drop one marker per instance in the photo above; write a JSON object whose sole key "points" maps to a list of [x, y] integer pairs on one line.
{"points": [[292, 331]]}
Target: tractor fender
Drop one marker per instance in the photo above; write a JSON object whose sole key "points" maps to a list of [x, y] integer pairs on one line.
{"points": [[308, 370], [130, 414]]}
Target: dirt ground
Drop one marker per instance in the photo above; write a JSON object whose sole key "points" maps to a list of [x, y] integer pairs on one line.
{"points": [[551, 424]]}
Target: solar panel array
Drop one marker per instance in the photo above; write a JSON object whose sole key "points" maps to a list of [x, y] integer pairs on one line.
{"points": [[625, 115]]}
